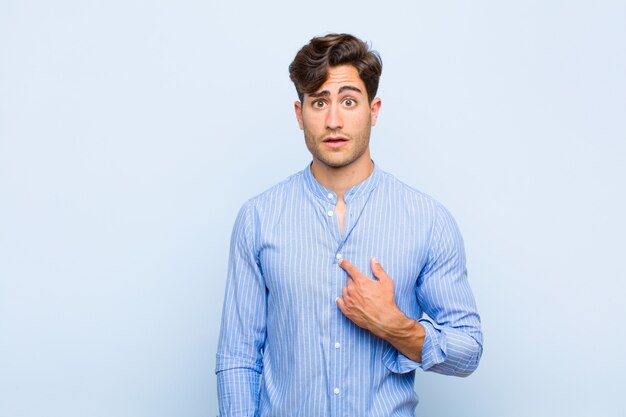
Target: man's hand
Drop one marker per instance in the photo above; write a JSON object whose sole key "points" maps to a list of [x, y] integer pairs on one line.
{"points": [[370, 305]]}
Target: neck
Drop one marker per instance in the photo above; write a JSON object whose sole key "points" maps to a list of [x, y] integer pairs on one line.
{"points": [[339, 180]]}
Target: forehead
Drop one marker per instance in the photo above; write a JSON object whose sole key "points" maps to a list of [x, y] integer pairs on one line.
{"points": [[340, 76]]}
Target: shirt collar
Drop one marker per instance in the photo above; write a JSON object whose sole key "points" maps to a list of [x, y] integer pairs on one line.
{"points": [[361, 189]]}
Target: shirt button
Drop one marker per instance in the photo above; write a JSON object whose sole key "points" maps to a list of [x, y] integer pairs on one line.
{"points": [[339, 256], [330, 195], [337, 345], [330, 213], [336, 391]]}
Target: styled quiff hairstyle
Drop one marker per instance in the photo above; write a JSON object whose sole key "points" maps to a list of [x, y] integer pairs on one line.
{"points": [[309, 69]]}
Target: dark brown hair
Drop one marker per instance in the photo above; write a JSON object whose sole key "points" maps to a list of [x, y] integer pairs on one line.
{"points": [[309, 69]]}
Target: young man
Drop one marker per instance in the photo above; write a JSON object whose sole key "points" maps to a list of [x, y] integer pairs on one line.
{"points": [[332, 270]]}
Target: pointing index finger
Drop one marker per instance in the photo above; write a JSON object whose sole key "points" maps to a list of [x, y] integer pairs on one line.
{"points": [[352, 270]]}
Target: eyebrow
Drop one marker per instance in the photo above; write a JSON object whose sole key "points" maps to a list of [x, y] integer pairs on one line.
{"points": [[326, 93], [349, 87]]}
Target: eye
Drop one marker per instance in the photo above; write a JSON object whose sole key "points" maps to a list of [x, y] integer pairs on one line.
{"points": [[349, 102], [319, 104]]}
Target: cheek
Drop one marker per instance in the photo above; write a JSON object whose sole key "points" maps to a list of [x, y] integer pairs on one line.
{"points": [[313, 124], [361, 118]]}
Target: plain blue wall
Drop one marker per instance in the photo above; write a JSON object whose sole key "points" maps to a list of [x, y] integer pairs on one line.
{"points": [[132, 131]]}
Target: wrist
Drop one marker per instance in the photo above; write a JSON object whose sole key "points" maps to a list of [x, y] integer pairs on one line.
{"points": [[406, 335], [395, 325]]}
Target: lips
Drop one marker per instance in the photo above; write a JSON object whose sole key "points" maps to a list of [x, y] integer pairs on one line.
{"points": [[335, 141]]}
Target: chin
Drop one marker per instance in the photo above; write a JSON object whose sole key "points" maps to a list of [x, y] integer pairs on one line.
{"points": [[335, 163]]}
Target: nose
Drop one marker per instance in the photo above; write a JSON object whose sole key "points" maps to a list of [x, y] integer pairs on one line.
{"points": [[334, 120]]}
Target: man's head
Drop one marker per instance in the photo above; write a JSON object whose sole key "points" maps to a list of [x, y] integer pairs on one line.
{"points": [[309, 69], [336, 77]]}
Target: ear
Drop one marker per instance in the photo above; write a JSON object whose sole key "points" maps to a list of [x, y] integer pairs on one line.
{"points": [[297, 106], [375, 108]]}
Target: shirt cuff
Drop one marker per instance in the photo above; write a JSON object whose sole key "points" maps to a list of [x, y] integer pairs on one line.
{"points": [[434, 349], [398, 363]]}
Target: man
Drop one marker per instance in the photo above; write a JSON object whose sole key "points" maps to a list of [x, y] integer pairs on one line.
{"points": [[332, 270]]}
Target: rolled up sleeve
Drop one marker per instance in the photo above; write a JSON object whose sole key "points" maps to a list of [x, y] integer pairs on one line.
{"points": [[454, 342]]}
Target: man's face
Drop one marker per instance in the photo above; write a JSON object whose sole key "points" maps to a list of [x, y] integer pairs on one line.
{"points": [[337, 119]]}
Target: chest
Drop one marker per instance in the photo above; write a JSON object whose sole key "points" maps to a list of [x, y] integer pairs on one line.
{"points": [[299, 252]]}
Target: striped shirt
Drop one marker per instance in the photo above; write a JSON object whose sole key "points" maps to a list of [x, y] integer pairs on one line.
{"points": [[285, 348]]}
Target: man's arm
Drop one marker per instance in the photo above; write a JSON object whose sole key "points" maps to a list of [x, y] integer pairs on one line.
{"points": [[370, 305], [450, 343], [242, 336], [454, 341]]}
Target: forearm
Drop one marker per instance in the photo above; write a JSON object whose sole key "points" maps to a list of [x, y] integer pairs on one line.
{"points": [[403, 333], [440, 349]]}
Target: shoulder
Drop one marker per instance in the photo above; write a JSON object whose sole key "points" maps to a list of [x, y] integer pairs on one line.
{"points": [[420, 209], [274, 197], [407, 195], [424, 211], [265, 206]]}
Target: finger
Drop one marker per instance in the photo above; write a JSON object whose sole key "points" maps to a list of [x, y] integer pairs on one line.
{"points": [[342, 305], [347, 266], [378, 270], [352, 270]]}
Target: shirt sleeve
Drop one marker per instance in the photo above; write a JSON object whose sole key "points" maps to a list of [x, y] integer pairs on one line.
{"points": [[242, 336], [454, 342]]}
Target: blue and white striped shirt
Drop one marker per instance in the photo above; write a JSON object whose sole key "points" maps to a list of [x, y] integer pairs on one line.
{"points": [[285, 348]]}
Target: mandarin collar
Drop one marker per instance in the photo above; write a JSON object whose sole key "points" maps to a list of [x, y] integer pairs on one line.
{"points": [[361, 189]]}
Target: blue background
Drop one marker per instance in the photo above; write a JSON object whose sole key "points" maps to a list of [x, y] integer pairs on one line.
{"points": [[132, 131]]}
